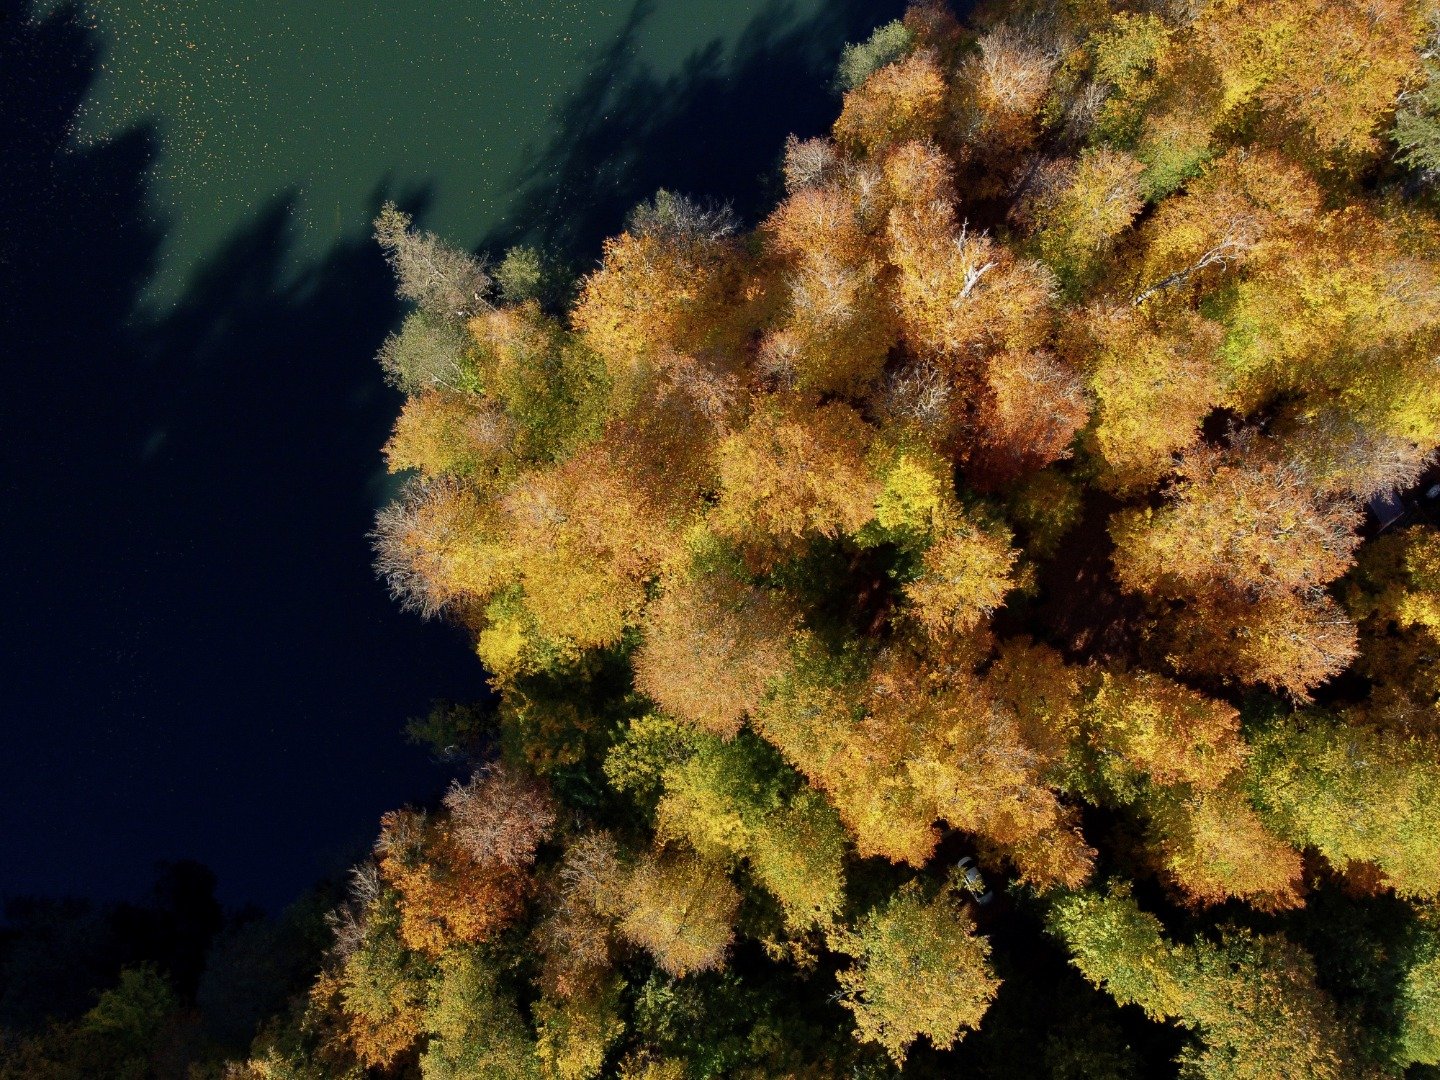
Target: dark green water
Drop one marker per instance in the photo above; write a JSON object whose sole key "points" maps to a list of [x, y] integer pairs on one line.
{"points": [[195, 656], [329, 99]]}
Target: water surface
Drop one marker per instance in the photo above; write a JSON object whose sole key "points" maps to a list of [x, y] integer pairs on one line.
{"points": [[327, 99], [195, 659]]}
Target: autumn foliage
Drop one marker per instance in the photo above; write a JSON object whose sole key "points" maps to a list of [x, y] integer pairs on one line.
{"points": [[999, 494]]}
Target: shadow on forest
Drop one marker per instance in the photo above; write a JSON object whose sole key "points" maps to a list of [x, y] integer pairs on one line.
{"points": [[195, 657]]}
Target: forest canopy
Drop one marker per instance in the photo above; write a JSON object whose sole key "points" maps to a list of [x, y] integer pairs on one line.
{"points": [[943, 613]]}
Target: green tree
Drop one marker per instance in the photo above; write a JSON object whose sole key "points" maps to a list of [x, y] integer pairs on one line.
{"points": [[1354, 794], [1251, 999], [919, 969]]}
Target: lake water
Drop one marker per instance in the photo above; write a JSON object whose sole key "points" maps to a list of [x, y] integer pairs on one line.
{"points": [[334, 100], [195, 659]]}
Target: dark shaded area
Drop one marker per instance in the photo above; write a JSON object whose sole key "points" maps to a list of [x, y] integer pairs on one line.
{"points": [[1080, 610], [1047, 1021], [222, 974], [54, 953], [195, 658]]}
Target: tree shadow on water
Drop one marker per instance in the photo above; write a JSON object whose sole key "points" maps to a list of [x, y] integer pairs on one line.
{"points": [[714, 129], [195, 658], [77, 238]]}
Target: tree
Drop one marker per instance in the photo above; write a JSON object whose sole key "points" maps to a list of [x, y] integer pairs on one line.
{"points": [[959, 295], [1289, 642], [1245, 209], [1255, 999], [1415, 132], [838, 326], [427, 352], [1121, 948], [370, 1000], [1332, 88], [668, 286], [921, 744], [1345, 456], [443, 894], [1251, 999], [1402, 572], [1133, 52], [809, 163], [798, 853], [1046, 506], [900, 101], [500, 817], [553, 392], [1034, 682], [1354, 283], [441, 435], [575, 1035], [712, 644], [682, 909], [1395, 593], [442, 281], [1214, 847], [1034, 407], [794, 473], [435, 546], [1355, 795], [736, 800], [1155, 377], [520, 275], [813, 719], [1000, 90], [474, 1029], [576, 937], [885, 46], [920, 969], [1419, 998], [1084, 205], [586, 538], [1163, 729], [1247, 523], [965, 575]]}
